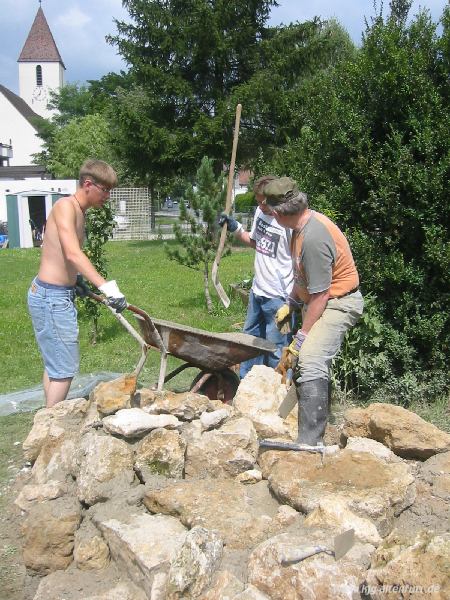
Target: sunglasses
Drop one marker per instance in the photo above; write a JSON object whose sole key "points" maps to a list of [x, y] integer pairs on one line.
{"points": [[101, 187]]}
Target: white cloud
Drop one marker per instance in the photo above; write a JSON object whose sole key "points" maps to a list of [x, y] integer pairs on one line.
{"points": [[73, 18]]}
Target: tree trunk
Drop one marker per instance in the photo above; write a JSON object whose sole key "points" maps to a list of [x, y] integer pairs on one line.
{"points": [[209, 304]]}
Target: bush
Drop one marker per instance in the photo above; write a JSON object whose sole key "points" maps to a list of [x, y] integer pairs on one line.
{"points": [[374, 148], [243, 203]]}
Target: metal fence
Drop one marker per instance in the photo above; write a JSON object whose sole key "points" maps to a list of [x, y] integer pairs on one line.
{"points": [[132, 213]]}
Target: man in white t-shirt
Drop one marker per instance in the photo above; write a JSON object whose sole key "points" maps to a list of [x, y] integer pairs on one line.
{"points": [[273, 278]]}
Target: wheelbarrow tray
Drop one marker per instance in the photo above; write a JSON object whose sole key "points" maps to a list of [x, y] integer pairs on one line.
{"points": [[203, 349]]}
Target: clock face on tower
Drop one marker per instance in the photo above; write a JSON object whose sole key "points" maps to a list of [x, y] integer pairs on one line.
{"points": [[39, 93]]}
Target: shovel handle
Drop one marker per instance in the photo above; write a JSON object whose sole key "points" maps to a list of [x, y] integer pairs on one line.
{"points": [[137, 311], [295, 557]]}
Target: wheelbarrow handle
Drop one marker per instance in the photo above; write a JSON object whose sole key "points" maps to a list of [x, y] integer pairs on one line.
{"points": [[141, 314], [96, 297], [119, 317]]}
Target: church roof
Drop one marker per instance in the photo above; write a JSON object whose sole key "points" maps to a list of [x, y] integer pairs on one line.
{"points": [[20, 105], [40, 45]]}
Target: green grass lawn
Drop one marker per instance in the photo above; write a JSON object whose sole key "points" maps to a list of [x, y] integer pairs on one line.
{"points": [[166, 220], [149, 280]]}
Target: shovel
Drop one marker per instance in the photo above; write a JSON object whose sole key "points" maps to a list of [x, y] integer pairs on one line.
{"points": [[342, 543], [290, 400], [150, 335], [215, 267]]}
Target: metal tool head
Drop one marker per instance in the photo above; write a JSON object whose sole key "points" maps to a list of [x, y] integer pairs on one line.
{"points": [[288, 403], [342, 543], [278, 445]]}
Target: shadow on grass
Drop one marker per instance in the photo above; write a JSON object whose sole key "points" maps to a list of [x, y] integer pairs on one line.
{"points": [[106, 331], [196, 301]]}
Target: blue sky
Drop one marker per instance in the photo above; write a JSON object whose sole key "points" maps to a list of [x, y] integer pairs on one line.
{"points": [[80, 26]]}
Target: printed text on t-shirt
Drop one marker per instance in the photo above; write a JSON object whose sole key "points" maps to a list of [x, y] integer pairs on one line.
{"points": [[267, 240]]}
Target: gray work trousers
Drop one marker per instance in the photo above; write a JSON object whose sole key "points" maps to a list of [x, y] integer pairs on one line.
{"points": [[326, 335]]}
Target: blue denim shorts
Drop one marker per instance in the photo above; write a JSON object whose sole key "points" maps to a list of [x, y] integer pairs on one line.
{"points": [[54, 317]]}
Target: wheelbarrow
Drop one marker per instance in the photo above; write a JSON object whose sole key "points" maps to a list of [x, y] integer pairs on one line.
{"points": [[212, 353]]}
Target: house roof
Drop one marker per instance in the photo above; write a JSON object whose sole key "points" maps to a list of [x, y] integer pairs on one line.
{"points": [[20, 105], [244, 177], [40, 45], [19, 172]]}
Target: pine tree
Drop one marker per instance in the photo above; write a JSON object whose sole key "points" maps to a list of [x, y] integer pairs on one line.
{"points": [[198, 232]]}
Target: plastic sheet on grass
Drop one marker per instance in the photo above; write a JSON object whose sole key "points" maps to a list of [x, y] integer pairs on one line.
{"points": [[33, 398]]}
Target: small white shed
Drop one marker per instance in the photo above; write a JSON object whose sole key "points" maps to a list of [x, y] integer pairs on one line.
{"points": [[27, 213]]}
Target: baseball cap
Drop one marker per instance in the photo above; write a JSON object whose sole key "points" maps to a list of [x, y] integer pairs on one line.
{"points": [[280, 190]]}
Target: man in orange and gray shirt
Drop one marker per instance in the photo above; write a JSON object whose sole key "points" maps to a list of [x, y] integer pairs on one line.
{"points": [[326, 282]]}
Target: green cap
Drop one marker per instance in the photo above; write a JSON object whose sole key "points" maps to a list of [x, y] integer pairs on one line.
{"points": [[280, 190]]}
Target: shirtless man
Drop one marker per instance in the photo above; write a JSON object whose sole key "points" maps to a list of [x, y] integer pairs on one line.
{"points": [[52, 293]]}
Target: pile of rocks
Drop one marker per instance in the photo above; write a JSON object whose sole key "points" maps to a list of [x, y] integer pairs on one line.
{"points": [[157, 495]]}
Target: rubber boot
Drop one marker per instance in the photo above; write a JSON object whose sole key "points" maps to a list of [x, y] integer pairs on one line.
{"points": [[312, 411]]}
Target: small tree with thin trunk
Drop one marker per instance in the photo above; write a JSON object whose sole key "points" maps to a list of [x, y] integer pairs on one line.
{"points": [[198, 232]]}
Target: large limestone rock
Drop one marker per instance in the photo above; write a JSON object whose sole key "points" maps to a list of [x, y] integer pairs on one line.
{"points": [[315, 578], [111, 396], [49, 531], [144, 546], [53, 422], [91, 551], [58, 459], [223, 452], [251, 593], [161, 452], [410, 567], [377, 449], [258, 397], [401, 430], [370, 487], [33, 494], [222, 505], [102, 458], [135, 422], [92, 419], [121, 591], [211, 420], [74, 584], [186, 406], [225, 586], [333, 511], [436, 472], [193, 566]]}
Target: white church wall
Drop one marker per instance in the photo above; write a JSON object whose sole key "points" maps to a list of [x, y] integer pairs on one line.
{"points": [[14, 127]]}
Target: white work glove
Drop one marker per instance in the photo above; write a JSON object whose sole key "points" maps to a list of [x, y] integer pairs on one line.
{"points": [[114, 296]]}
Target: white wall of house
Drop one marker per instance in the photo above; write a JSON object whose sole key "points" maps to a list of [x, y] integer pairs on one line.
{"points": [[36, 96], [14, 127], [22, 186]]}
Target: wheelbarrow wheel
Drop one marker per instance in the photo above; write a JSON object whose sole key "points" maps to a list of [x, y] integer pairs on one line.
{"points": [[220, 385]]}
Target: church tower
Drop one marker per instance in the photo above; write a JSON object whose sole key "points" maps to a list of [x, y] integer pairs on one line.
{"points": [[41, 68]]}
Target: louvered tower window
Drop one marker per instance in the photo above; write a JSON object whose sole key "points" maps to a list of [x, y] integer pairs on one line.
{"points": [[39, 75]]}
